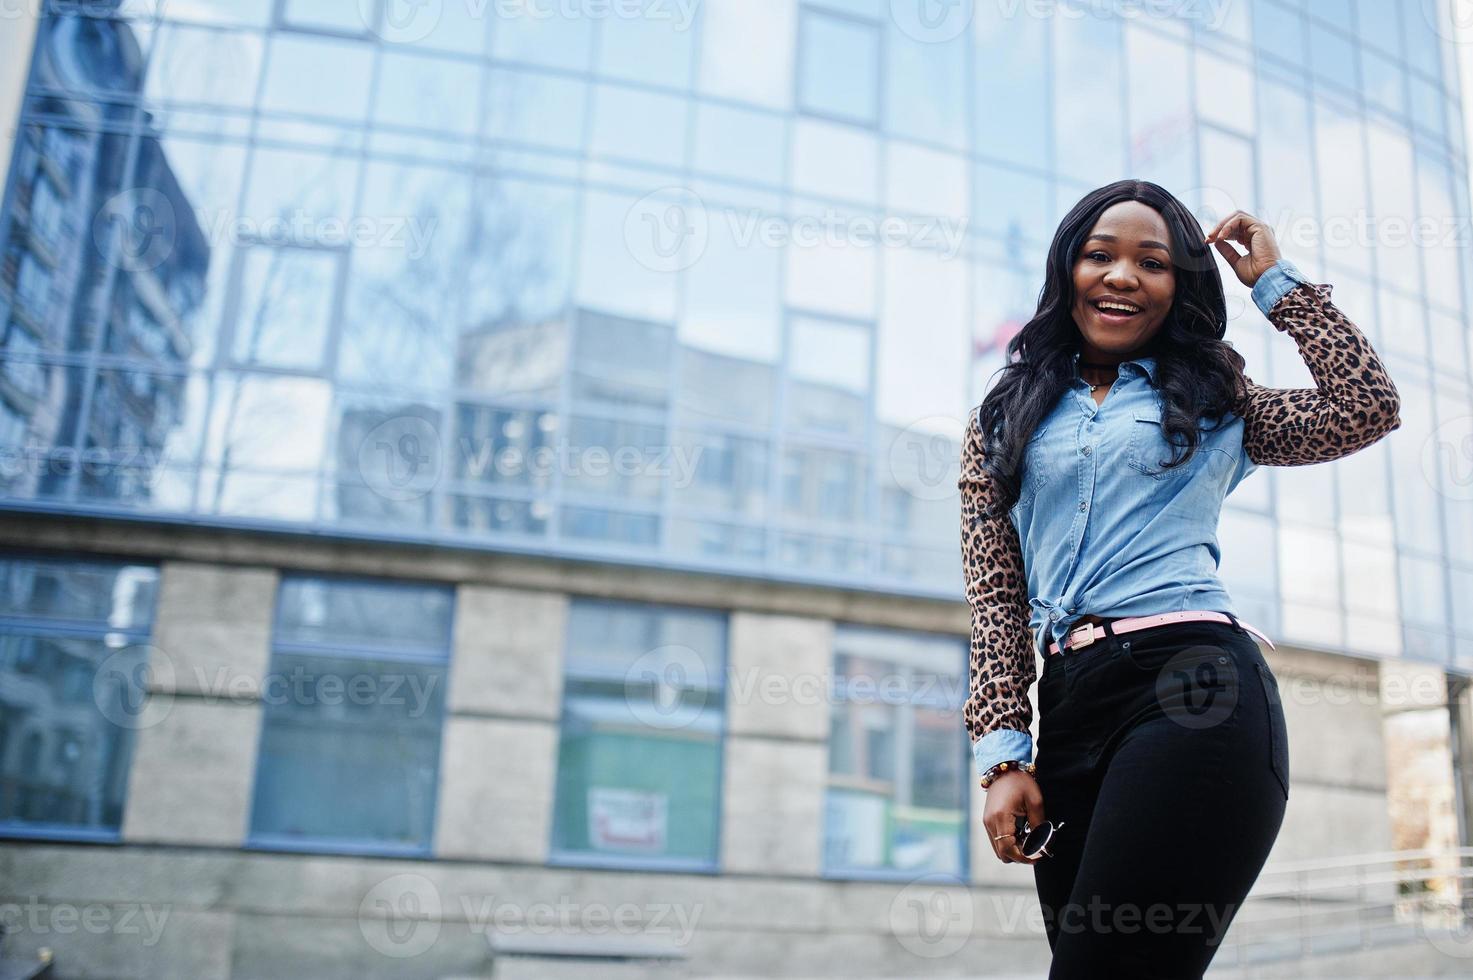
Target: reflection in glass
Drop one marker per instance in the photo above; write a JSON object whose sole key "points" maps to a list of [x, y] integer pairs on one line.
{"points": [[840, 65], [284, 306], [639, 753], [897, 785], [73, 665]]}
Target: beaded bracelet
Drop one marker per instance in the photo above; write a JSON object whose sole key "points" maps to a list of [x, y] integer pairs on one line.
{"points": [[990, 776]]}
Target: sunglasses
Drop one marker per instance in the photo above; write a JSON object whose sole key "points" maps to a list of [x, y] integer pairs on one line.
{"points": [[1037, 839]]}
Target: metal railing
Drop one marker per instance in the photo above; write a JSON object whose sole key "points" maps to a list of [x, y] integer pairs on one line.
{"points": [[1307, 908]]}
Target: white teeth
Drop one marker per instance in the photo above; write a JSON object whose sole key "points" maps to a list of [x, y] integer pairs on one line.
{"points": [[1117, 306]]}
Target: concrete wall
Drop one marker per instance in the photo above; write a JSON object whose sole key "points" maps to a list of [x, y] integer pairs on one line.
{"points": [[223, 911]]}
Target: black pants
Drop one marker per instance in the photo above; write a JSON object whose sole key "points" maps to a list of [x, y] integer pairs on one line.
{"points": [[1164, 753]]}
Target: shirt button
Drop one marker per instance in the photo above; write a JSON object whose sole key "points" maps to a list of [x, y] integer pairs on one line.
{"points": [[1082, 505], [1085, 450]]}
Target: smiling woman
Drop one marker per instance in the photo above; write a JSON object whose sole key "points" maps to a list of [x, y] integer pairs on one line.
{"points": [[1124, 392]]}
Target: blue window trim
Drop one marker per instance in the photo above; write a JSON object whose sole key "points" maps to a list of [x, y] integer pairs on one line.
{"points": [[82, 630], [266, 841], [335, 845], [566, 858]]}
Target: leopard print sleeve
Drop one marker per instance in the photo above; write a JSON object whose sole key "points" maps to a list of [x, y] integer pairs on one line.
{"points": [[1002, 657], [1353, 403]]}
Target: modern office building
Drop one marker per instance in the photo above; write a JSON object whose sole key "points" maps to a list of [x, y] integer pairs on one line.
{"points": [[478, 480]]}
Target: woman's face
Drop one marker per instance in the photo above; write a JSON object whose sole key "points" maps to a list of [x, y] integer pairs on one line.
{"points": [[1126, 260]]}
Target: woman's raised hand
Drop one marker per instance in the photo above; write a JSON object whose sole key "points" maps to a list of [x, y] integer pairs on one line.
{"points": [[1254, 235], [1011, 795]]}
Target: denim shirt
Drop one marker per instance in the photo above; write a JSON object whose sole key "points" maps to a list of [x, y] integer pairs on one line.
{"points": [[1104, 527]]}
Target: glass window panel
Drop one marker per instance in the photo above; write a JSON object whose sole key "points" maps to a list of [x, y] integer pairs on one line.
{"points": [[1222, 88], [1403, 324], [1423, 37], [1440, 235], [620, 363], [824, 485], [897, 787], [1286, 162], [1011, 204], [1227, 178], [924, 181], [1342, 185], [267, 422], [618, 527], [364, 613], [1416, 500], [533, 107], [1396, 211], [501, 447], [71, 691], [655, 46], [925, 88], [350, 743], [1278, 31], [1428, 106], [1385, 85], [639, 756], [529, 32], [193, 64], [143, 438], [635, 125], [388, 455], [1010, 57], [732, 295], [318, 77], [729, 388], [720, 472], [406, 278], [348, 19], [922, 334], [1086, 55], [741, 143], [284, 307], [1332, 56], [839, 68], [518, 272], [614, 458], [291, 192], [833, 160], [756, 73], [256, 12], [1422, 594], [428, 92], [835, 277], [1379, 24], [829, 364], [1158, 73], [628, 247]]}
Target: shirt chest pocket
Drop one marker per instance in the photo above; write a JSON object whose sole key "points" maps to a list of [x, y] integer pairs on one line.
{"points": [[1147, 450]]}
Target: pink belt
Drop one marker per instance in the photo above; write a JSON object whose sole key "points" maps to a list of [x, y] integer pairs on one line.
{"points": [[1082, 636]]}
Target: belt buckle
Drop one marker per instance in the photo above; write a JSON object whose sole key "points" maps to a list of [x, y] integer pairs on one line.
{"points": [[1074, 643]]}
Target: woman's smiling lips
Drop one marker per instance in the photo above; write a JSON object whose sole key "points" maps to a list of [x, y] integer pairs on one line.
{"points": [[1113, 310]]}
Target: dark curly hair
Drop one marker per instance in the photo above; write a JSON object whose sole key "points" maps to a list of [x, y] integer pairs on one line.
{"points": [[1198, 374]]}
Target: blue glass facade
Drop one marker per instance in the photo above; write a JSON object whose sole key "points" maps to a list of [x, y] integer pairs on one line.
{"points": [[706, 285]]}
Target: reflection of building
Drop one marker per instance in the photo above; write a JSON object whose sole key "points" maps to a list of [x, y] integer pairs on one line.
{"points": [[75, 288], [594, 532]]}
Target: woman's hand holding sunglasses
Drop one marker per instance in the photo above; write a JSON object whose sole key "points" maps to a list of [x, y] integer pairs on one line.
{"points": [[1014, 797]]}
